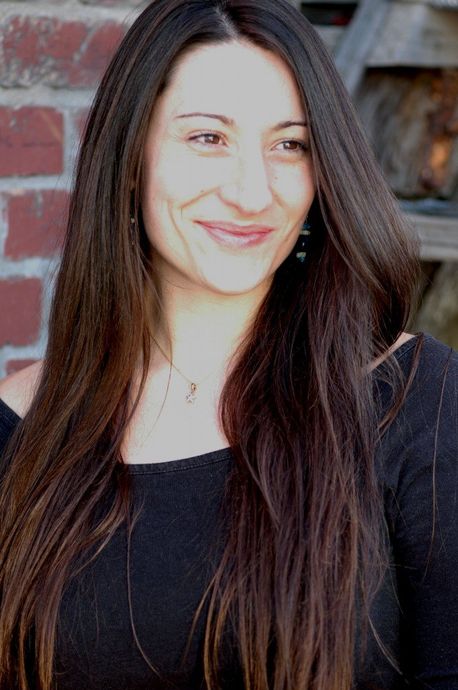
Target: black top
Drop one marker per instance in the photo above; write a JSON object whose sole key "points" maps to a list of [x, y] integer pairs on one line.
{"points": [[415, 613]]}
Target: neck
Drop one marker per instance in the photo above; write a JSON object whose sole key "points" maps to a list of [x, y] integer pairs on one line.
{"points": [[205, 328]]}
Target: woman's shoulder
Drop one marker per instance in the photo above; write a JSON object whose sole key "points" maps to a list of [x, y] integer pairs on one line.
{"points": [[436, 372], [435, 351], [431, 361], [17, 390], [431, 367], [425, 429], [16, 393]]}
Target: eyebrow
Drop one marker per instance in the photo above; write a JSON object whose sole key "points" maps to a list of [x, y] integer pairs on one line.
{"points": [[231, 123]]}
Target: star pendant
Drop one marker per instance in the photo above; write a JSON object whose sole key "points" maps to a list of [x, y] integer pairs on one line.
{"points": [[192, 395]]}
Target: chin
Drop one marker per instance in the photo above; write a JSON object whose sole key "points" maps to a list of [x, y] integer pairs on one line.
{"points": [[237, 285]]}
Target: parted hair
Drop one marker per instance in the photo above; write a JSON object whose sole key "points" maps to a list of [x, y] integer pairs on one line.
{"points": [[302, 508]]}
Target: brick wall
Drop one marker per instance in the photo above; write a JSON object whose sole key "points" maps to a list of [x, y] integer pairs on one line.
{"points": [[52, 55]]}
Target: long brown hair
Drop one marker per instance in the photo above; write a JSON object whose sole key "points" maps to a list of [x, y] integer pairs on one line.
{"points": [[304, 515]]}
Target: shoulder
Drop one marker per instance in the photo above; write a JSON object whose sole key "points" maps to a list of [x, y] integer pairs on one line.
{"points": [[435, 383], [431, 368], [436, 357], [422, 440], [17, 390], [16, 393]]}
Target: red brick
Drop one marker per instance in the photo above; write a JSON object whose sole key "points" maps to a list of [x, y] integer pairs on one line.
{"points": [[31, 141], [14, 365], [36, 223], [56, 52], [20, 307]]}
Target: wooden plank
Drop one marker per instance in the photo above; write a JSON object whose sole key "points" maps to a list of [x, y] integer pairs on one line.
{"points": [[415, 34], [438, 310], [444, 4], [432, 3], [438, 236], [441, 4], [358, 40], [330, 2], [331, 35]]}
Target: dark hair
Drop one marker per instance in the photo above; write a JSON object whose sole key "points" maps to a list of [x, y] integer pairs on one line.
{"points": [[302, 500]]}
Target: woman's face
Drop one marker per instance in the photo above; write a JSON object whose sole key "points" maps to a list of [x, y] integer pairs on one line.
{"points": [[226, 145]]}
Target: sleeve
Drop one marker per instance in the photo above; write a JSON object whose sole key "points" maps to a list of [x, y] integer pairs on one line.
{"points": [[424, 522]]}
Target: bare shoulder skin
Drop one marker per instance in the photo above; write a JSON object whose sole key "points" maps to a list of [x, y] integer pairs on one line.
{"points": [[17, 389]]}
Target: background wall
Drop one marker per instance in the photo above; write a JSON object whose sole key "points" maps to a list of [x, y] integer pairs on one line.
{"points": [[52, 55]]}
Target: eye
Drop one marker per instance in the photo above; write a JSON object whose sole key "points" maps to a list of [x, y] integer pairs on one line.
{"points": [[212, 140], [296, 146], [199, 138]]}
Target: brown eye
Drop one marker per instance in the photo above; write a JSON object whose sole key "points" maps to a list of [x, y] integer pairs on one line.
{"points": [[204, 138], [296, 146]]}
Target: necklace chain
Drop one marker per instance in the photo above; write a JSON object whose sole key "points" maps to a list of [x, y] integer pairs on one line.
{"points": [[191, 396]]}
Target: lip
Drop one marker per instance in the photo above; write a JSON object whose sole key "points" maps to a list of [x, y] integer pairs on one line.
{"points": [[236, 229], [236, 236]]}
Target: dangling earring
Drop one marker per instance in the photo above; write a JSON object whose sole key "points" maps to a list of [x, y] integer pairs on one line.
{"points": [[133, 230], [133, 218], [303, 242]]}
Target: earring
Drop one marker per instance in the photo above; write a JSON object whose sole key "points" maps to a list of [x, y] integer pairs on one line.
{"points": [[133, 229], [303, 242]]}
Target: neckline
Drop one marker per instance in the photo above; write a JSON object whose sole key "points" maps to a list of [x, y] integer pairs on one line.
{"points": [[221, 454], [180, 464], [213, 456]]}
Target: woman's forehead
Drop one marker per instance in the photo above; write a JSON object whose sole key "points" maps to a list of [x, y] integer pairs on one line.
{"points": [[233, 78]]}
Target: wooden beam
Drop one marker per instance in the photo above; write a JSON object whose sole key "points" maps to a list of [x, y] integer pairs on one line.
{"points": [[441, 4], [358, 40], [438, 236], [332, 2], [331, 35], [444, 4], [415, 34]]}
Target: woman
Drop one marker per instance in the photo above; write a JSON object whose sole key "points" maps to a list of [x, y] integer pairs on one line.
{"points": [[233, 468]]}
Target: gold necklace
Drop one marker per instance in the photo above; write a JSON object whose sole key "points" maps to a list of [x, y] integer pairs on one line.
{"points": [[191, 395]]}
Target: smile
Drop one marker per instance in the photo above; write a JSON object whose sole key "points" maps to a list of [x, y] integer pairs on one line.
{"points": [[230, 237]]}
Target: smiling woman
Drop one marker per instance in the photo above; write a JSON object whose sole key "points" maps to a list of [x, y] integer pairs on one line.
{"points": [[240, 184], [234, 468]]}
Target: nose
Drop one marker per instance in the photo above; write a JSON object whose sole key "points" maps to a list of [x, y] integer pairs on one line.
{"points": [[248, 186]]}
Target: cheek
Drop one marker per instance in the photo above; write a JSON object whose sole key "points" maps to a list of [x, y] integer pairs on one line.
{"points": [[179, 178], [295, 186], [168, 178]]}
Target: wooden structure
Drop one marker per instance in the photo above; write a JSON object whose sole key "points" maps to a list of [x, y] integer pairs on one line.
{"points": [[399, 61]]}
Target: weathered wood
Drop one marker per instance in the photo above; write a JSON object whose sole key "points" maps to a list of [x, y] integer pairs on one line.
{"points": [[331, 35], [442, 4], [417, 35], [438, 237], [332, 2], [411, 119], [358, 39], [438, 312]]}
